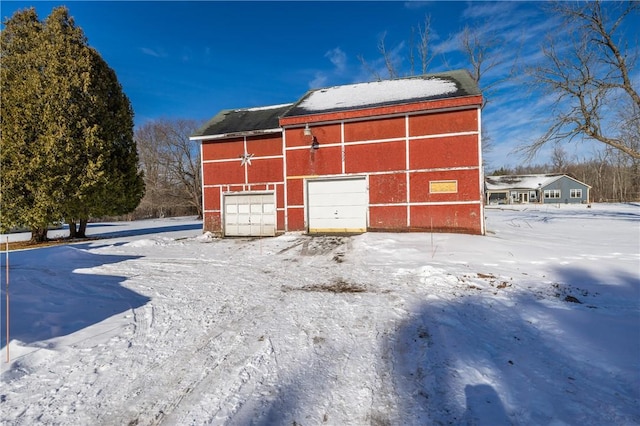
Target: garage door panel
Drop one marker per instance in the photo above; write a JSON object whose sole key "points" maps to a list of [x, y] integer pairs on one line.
{"points": [[335, 212], [337, 205], [344, 199], [329, 187], [268, 208], [250, 215]]}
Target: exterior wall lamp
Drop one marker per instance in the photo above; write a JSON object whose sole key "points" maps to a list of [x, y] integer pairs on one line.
{"points": [[314, 141]]}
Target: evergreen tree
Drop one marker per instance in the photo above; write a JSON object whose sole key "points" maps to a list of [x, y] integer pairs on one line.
{"points": [[67, 128]]}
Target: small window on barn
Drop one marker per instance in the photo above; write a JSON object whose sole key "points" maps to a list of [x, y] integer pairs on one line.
{"points": [[576, 193], [443, 186], [552, 193]]}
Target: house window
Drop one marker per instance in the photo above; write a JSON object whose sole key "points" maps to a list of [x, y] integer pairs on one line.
{"points": [[576, 193], [551, 193], [443, 186]]}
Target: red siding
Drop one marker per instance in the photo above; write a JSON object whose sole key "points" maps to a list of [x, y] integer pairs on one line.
{"points": [[443, 122], [295, 192], [280, 197], [234, 188], [265, 170], [312, 162], [447, 218], [229, 148], [263, 146], [384, 189], [212, 198], [296, 219], [280, 219], [455, 151], [387, 128], [375, 157], [392, 218], [212, 222], [223, 173]]}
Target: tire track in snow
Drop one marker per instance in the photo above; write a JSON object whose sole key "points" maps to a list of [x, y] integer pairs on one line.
{"points": [[163, 386], [242, 371]]}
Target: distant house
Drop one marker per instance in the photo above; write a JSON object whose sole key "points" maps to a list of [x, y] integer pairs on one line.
{"points": [[540, 188], [394, 155]]}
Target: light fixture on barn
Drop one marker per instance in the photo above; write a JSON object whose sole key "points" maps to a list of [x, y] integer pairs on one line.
{"points": [[314, 141]]}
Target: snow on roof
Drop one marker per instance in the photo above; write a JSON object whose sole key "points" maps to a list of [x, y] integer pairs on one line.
{"points": [[519, 181], [263, 108], [377, 92], [452, 84]]}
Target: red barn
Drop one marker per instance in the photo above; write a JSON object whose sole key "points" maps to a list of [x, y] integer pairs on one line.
{"points": [[394, 155]]}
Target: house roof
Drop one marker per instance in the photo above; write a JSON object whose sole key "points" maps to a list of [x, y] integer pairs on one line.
{"points": [[531, 182], [239, 122], [426, 87]]}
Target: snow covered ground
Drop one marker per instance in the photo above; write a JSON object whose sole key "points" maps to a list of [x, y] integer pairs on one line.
{"points": [[161, 324]]}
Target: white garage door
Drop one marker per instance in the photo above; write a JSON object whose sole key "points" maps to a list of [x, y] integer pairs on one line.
{"points": [[337, 205], [249, 215]]}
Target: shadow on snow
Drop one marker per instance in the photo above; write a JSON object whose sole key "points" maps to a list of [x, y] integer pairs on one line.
{"points": [[534, 359], [133, 232], [50, 295]]}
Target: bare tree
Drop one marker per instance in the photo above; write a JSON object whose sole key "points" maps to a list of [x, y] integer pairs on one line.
{"points": [[480, 49], [388, 60], [559, 160], [419, 41], [423, 35], [172, 167], [587, 70]]}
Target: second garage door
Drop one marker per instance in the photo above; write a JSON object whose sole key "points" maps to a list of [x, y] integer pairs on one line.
{"points": [[337, 205], [249, 215]]}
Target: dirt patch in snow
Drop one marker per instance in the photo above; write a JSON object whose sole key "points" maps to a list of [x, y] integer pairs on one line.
{"points": [[336, 286]]}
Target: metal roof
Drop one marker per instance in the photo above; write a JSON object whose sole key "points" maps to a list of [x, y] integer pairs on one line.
{"points": [[239, 122]]}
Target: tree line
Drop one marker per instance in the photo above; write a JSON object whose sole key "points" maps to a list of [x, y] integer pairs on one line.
{"points": [[613, 176], [171, 165]]}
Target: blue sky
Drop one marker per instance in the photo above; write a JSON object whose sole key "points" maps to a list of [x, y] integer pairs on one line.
{"points": [[193, 59]]}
